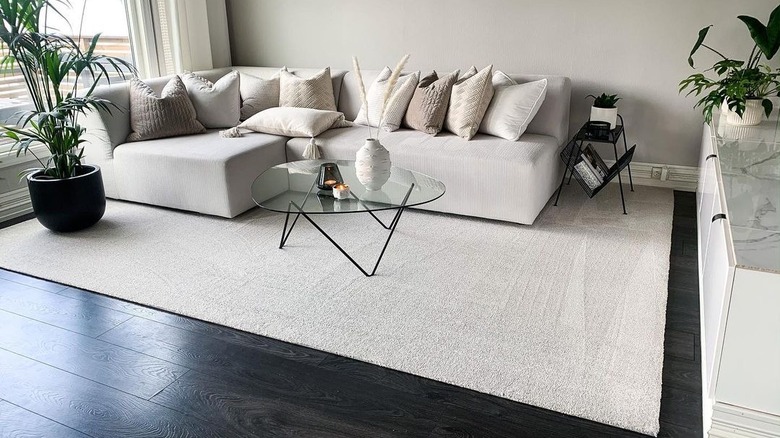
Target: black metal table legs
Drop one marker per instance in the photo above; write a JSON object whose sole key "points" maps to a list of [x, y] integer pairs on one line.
{"points": [[393, 224]]}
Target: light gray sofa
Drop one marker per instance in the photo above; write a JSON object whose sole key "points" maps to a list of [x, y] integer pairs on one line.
{"points": [[485, 177]]}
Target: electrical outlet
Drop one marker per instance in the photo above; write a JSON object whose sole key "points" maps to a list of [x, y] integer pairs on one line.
{"points": [[656, 173]]}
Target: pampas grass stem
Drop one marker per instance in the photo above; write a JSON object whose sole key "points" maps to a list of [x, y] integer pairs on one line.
{"points": [[390, 88], [362, 87]]}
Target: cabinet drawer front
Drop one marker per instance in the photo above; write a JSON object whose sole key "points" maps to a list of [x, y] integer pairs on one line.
{"points": [[710, 192], [704, 152]]}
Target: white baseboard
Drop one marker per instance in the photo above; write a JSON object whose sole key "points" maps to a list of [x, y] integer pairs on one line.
{"points": [[14, 204], [674, 177], [730, 421]]}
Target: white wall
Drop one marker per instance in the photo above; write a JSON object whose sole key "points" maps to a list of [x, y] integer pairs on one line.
{"points": [[635, 48]]}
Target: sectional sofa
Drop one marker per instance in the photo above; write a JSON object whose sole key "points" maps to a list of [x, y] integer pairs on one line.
{"points": [[486, 177]]}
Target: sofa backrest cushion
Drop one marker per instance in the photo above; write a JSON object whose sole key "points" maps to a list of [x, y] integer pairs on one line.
{"points": [[552, 118]]}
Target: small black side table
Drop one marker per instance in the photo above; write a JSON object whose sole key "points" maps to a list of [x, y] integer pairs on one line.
{"points": [[571, 156]]}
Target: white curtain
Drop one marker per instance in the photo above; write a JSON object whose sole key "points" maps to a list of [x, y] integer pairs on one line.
{"points": [[172, 36]]}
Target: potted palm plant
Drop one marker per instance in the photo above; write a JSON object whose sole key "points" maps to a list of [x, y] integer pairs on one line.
{"points": [[66, 194], [604, 109], [741, 88]]}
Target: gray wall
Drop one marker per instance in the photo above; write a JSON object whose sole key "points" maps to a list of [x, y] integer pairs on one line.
{"points": [[635, 48]]}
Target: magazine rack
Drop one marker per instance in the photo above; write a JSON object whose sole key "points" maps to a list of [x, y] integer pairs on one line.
{"points": [[571, 156]]}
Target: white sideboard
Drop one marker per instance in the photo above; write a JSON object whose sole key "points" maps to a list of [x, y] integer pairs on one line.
{"points": [[738, 201]]}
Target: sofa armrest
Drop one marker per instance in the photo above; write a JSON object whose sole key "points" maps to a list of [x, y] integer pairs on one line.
{"points": [[105, 130]]}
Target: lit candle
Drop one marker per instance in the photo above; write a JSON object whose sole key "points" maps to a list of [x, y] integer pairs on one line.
{"points": [[330, 182], [341, 191]]}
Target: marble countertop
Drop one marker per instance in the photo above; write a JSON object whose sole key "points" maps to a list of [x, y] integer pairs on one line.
{"points": [[750, 167]]}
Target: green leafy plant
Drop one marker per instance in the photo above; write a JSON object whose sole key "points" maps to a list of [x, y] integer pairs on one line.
{"points": [[738, 81], [604, 100], [53, 66]]}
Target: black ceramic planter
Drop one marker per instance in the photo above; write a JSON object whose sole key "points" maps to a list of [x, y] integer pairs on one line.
{"points": [[69, 204]]}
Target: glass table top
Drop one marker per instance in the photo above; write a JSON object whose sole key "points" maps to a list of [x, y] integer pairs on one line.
{"points": [[283, 187]]}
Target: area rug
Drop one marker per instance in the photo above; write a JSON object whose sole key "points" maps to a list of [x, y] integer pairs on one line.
{"points": [[567, 314]]}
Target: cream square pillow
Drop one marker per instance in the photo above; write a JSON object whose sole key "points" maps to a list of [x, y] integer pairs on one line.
{"points": [[258, 94], [315, 92], [294, 122], [397, 104], [169, 115], [469, 100], [218, 104], [513, 106]]}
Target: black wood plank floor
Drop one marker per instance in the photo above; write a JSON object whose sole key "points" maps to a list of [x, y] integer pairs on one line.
{"points": [[78, 364]]}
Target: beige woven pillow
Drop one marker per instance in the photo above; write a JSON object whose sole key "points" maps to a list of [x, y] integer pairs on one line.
{"points": [[397, 104], [429, 103], [315, 92], [169, 115], [258, 94], [468, 103]]}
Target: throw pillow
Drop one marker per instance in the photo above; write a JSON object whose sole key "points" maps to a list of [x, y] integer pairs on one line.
{"points": [[315, 92], [294, 122], [468, 103], [397, 102], [169, 115], [258, 94], [218, 105], [513, 106], [428, 106]]}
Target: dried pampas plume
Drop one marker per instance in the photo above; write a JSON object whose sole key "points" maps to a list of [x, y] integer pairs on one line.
{"points": [[390, 87], [362, 87]]}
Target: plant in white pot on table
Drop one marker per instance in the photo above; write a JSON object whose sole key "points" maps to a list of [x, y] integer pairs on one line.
{"points": [[604, 109], [372, 161], [66, 194], [741, 88]]}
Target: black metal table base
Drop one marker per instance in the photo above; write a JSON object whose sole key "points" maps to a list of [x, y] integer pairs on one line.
{"points": [[300, 212]]}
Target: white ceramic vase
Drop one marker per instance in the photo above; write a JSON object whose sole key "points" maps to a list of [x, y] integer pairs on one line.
{"points": [[608, 115], [372, 164], [753, 115]]}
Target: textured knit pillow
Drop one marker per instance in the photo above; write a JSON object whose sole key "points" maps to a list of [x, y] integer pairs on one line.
{"points": [[169, 115], [468, 103], [315, 92], [294, 122], [513, 106], [429, 103], [218, 105], [397, 104], [258, 94]]}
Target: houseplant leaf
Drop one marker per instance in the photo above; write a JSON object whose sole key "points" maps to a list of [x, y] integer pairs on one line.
{"points": [[773, 32], [699, 42], [759, 34]]}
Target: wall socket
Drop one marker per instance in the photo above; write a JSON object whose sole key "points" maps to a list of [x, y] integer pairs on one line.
{"points": [[656, 173]]}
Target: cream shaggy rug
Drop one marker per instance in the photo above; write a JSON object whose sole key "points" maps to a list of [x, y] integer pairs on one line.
{"points": [[567, 314]]}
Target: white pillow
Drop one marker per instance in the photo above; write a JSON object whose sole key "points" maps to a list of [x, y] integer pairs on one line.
{"points": [[258, 94], [397, 105], [294, 122], [513, 106], [469, 100], [218, 104], [315, 92]]}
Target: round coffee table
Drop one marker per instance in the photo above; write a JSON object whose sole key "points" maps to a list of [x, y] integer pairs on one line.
{"points": [[291, 188]]}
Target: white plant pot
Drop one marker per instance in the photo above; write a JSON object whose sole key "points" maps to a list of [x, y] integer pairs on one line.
{"points": [[372, 164], [753, 115], [608, 115]]}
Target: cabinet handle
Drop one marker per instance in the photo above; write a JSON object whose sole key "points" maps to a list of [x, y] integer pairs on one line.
{"points": [[710, 156], [718, 216]]}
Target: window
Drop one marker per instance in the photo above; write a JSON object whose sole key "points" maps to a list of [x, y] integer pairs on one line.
{"points": [[82, 21]]}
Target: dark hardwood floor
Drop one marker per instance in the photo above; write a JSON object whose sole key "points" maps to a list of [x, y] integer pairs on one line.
{"points": [[77, 364]]}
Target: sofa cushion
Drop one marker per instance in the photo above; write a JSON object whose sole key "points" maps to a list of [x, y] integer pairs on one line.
{"points": [[206, 173], [294, 122], [258, 94], [469, 100], [485, 177], [218, 104], [513, 106], [315, 92], [429, 103], [168, 115], [395, 107]]}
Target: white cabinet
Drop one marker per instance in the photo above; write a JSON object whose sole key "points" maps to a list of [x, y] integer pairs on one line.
{"points": [[740, 309]]}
